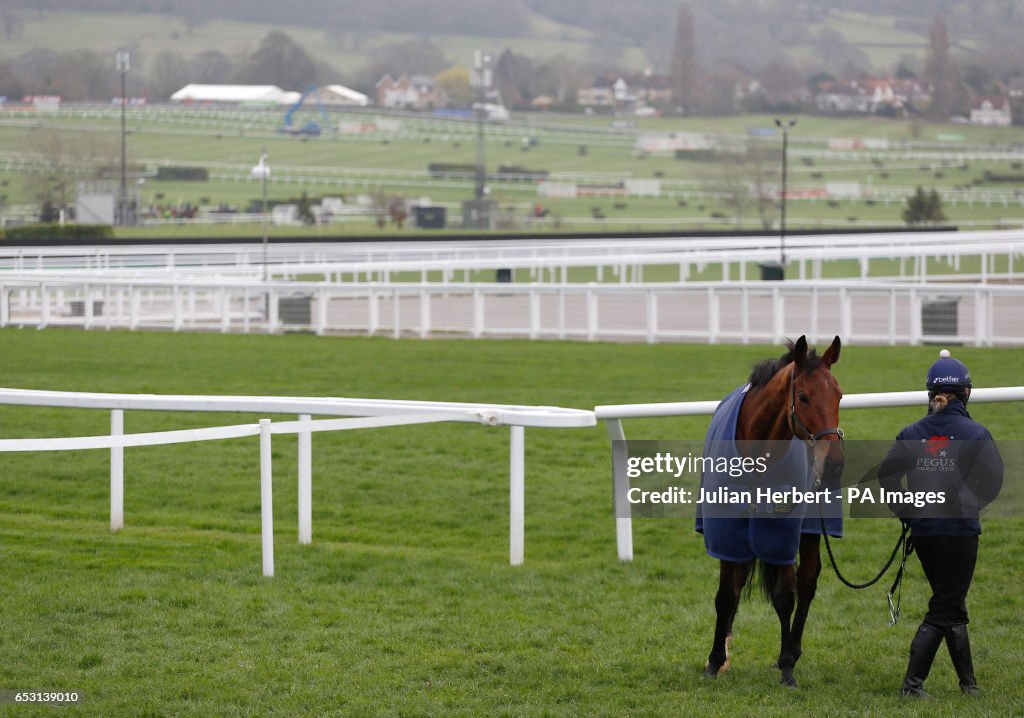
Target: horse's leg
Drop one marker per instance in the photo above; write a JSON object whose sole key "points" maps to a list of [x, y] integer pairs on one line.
{"points": [[806, 585], [731, 577], [782, 583]]}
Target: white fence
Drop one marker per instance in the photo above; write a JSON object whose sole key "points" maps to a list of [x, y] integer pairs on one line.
{"points": [[372, 414], [745, 312], [613, 415]]}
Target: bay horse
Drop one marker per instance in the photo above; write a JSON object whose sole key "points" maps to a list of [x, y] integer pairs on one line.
{"points": [[794, 396]]}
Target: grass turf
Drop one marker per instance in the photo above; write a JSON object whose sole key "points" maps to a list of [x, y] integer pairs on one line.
{"points": [[405, 604]]}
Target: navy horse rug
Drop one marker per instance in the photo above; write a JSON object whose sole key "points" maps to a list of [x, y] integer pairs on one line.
{"points": [[738, 524]]}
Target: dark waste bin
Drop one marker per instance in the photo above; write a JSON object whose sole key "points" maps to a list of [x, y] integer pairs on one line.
{"points": [[504, 276], [772, 271], [430, 217], [295, 310], [940, 316]]}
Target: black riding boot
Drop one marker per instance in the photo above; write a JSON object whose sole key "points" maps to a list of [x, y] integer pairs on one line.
{"points": [[959, 646], [922, 653]]}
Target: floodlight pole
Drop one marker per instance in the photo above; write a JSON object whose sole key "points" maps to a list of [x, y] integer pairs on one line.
{"points": [[481, 81], [785, 127], [122, 61], [264, 173]]}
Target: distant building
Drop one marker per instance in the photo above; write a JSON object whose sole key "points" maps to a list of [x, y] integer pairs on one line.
{"points": [[1016, 88], [341, 95], [596, 92], [884, 95], [235, 94], [650, 88], [991, 111], [416, 92]]}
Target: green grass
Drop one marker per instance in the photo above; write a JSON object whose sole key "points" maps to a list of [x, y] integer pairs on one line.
{"points": [[405, 604], [350, 167]]}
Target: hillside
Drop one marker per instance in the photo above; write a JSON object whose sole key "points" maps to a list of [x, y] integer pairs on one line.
{"points": [[868, 33]]}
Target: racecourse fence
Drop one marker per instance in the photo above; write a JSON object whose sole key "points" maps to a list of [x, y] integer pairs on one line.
{"points": [[740, 311], [369, 413], [613, 416], [995, 255]]}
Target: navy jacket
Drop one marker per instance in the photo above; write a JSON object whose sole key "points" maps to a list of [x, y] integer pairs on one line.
{"points": [[944, 452]]}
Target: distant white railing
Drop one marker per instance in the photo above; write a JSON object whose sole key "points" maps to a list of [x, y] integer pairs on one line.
{"points": [[743, 312], [371, 413], [613, 415], [622, 260]]}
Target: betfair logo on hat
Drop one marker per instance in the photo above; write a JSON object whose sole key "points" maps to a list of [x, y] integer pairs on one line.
{"points": [[950, 379]]}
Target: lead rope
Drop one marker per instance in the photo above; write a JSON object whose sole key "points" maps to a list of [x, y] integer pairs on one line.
{"points": [[901, 542], [897, 585]]}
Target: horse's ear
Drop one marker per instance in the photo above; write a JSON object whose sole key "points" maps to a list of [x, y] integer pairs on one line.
{"points": [[831, 355], [800, 351]]}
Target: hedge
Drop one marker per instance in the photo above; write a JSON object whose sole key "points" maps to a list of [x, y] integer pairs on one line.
{"points": [[77, 233], [182, 174]]}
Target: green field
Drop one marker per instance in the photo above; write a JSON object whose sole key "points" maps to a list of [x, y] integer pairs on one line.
{"points": [[696, 193], [404, 604]]}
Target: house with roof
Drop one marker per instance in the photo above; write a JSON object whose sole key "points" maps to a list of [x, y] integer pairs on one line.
{"points": [[884, 95], [993, 111], [415, 92]]}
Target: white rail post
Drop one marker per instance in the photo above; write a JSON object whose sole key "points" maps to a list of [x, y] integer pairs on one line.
{"points": [[396, 315], [979, 318], [5, 306], [305, 437], [478, 313], [424, 313], [373, 309], [321, 311], [714, 321], [44, 307], [620, 486], [778, 317], [652, 316], [517, 494], [534, 311], [272, 310], [591, 312], [845, 315], [266, 499], [87, 307], [225, 309], [116, 472]]}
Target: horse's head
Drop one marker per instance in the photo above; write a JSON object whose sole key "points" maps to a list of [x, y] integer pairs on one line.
{"points": [[813, 403]]}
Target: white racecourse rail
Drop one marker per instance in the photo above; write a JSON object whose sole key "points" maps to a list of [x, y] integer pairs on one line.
{"points": [[371, 413], [549, 259], [745, 312], [614, 414]]}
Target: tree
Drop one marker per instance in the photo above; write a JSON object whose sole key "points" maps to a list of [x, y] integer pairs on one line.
{"points": [[211, 67], [684, 63], [940, 71], [406, 58], [170, 72], [923, 208], [454, 83], [280, 61], [514, 78], [62, 159], [14, 26]]}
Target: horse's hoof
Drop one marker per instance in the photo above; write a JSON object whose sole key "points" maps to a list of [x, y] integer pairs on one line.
{"points": [[711, 672], [788, 681]]}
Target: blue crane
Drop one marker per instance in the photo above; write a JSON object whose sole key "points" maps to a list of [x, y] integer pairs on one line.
{"points": [[312, 127]]}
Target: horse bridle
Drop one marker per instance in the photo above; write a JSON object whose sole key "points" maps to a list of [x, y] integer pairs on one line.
{"points": [[794, 421]]}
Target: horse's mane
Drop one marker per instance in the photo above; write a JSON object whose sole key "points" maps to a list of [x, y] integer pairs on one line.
{"points": [[763, 371]]}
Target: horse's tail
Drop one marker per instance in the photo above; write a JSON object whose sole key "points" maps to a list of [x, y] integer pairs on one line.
{"points": [[769, 577]]}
